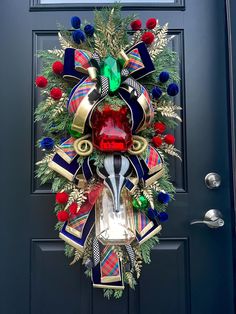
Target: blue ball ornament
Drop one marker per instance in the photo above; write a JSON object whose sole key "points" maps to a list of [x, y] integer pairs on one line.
{"points": [[164, 76], [47, 143], [78, 36], [89, 30], [172, 89], [163, 216], [163, 198], [152, 213], [156, 92], [75, 22]]}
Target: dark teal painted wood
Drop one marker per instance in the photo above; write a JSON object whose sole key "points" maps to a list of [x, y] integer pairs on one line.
{"points": [[192, 269]]}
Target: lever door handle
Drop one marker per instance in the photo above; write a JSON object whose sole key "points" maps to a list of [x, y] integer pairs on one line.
{"points": [[213, 219]]}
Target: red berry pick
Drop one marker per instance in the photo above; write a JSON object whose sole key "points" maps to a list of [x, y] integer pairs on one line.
{"points": [[73, 208], [157, 141], [62, 197], [62, 215], [136, 25], [57, 67], [169, 139], [41, 82], [151, 23], [148, 38], [159, 127], [56, 93]]}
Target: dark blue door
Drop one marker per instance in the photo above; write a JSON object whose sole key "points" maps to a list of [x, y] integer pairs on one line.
{"points": [[191, 270]]}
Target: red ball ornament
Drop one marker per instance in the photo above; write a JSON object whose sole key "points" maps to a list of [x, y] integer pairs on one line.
{"points": [[56, 93], [62, 197], [57, 67], [136, 25], [41, 81], [157, 141], [73, 208], [151, 23], [62, 215], [148, 37], [169, 139], [159, 127]]}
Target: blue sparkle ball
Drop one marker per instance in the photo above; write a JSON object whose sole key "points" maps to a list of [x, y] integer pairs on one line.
{"points": [[164, 76], [156, 92], [75, 22], [89, 30], [47, 143], [163, 216], [78, 36], [163, 198], [172, 89], [152, 213]]}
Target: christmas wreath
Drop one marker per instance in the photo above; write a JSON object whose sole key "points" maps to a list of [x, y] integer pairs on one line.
{"points": [[106, 114]]}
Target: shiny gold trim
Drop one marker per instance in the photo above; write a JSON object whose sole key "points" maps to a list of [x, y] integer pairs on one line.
{"points": [[123, 56], [108, 279], [108, 287], [83, 146], [139, 145], [71, 242], [54, 166], [92, 72], [154, 178], [155, 231], [74, 231], [146, 229]]}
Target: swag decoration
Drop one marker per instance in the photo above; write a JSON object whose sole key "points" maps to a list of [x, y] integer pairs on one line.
{"points": [[107, 105]]}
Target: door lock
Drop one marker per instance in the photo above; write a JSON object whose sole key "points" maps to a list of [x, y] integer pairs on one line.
{"points": [[213, 180]]}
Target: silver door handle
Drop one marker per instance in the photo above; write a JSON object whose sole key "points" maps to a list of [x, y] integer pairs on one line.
{"points": [[213, 219]]}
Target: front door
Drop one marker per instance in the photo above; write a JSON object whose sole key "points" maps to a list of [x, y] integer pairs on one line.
{"points": [[191, 269]]}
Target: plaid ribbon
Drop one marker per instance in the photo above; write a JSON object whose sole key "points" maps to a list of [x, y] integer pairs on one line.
{"points": [[78, 94], [135, 61], [82, 59], [67, 148], [109, 263]]}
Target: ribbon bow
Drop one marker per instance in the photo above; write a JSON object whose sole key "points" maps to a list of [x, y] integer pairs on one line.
{"points": [[94, 85]]}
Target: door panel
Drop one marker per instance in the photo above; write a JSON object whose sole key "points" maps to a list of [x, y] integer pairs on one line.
{"points": [[192, 266]]}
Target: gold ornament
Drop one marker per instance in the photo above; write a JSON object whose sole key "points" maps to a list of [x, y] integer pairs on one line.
{"points": [[83, 146], [139, 145]]}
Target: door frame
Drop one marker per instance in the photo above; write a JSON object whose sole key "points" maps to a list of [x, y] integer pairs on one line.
{"points": [[230, 8]]}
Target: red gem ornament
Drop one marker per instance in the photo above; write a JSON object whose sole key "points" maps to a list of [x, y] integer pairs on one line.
{"points": [[111, 131], [151, 23], [148, 38], [136, 25], [73, 208]]}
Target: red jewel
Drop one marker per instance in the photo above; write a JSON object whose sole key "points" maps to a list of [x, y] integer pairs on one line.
{"points": [[157, 141], [169, 139], [159, 127], [112, 131]]}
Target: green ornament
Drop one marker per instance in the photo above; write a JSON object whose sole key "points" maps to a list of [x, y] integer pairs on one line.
{"points": [[143, 202], [73, 133], [111, 69], [135, 204]]}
